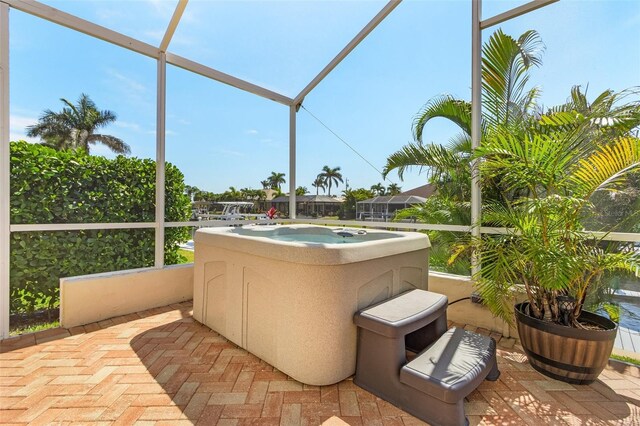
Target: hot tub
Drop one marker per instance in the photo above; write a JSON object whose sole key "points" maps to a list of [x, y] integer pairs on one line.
{"points": [[288, 293]]}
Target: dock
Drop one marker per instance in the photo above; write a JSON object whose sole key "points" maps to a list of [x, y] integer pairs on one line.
{"points": [[628, 340]]}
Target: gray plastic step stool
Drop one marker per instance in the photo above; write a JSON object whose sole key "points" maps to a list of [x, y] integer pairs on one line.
{"points": [[451, 364]]}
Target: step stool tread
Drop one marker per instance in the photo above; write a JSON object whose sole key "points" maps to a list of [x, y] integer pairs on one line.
{"points": [[402, 314], [452, 367]]}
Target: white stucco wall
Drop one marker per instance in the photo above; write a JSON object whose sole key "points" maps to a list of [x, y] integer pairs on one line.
{"points": [[90, 298], [465, 312]]}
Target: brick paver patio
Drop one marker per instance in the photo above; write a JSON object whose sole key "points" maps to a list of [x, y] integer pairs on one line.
{"points": [[161, 367]]}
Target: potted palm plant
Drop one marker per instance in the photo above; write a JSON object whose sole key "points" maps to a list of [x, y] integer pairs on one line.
{"points": [[543, 177], [555, 165]]}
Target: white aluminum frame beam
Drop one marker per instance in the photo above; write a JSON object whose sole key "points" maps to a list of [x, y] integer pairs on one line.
{"points": [[5, 164], [70, 21], [628, 237], [41, 227], [161, 101], [292, 161], [67, 20], [173, 24], [386, 10], [515, 12], [476, 123], [213, 74], [477, 25]]}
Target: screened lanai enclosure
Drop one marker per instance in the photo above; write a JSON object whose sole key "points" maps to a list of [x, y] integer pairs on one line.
{"points": [[384, 207], [160, 39]]}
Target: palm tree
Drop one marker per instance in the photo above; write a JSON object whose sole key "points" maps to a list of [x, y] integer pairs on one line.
{"points": [[301, 190], [331, 176], [560, 164], [589, 125], [74, 127], [191, 191], [232, 194], [319, 183], [276, 179], [378, 188], [393, 189], [246, 193], [265, 184], [507, 104], [259, 194]]}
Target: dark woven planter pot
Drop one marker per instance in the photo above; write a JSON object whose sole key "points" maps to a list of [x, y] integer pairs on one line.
{"points": [[565, 353]]}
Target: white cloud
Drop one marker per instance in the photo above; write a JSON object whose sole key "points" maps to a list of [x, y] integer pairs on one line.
{"points": [[163, 8], [155, 35], [167, 132], [126, 125], [182, 39], [106, 14], [20, 121], [129, 83], [18, 128], [99, 149], [180, 120], [270, 142], [22, 137], [251, 132], [166, 8], [228, 152]]}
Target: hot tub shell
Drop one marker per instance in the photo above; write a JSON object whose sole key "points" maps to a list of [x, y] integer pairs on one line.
{"points": [[292, 303]]}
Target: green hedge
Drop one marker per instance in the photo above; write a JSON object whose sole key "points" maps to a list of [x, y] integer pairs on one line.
{"points": [[49, 186]]}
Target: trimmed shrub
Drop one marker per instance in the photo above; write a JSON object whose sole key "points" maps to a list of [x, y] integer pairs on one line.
{"points": [[49, 186]]}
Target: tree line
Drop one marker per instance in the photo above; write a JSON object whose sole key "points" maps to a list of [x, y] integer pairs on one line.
{"points": [[75, 128]]}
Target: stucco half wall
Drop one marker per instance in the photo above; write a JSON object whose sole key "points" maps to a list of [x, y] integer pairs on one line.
{"points": [[456, 287], [90, 298]]}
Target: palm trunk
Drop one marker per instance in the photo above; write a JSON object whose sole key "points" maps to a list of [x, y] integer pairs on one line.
{"points": [[533, 303], [545, 305], [553, 304]]}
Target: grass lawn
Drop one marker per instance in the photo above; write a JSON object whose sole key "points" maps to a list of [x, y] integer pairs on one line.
{"points": [[32, 328], [626, 359], [187, 256]]}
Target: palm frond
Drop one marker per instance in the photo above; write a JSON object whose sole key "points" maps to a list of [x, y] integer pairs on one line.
{"points": [[606, 166], [437, 158], [455, 110], [530, 162], [115, 144], [505, 67]]}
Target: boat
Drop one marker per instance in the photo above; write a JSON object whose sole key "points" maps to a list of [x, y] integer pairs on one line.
{"points": [[235, 210]]}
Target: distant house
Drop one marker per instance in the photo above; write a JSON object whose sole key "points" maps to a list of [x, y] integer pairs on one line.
{"points": [[269, 194], [309, 205], [384, 207], [424, 191], [265, 204]]}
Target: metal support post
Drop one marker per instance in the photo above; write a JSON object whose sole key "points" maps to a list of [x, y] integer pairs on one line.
{"points": [[5, 164], [293, 109], [476, 129], [160, 154]]}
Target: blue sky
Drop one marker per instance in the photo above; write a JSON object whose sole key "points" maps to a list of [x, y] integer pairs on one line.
{"points": [[220, 137]]}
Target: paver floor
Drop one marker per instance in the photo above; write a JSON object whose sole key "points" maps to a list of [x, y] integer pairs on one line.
{"points": [[162, 367]]}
